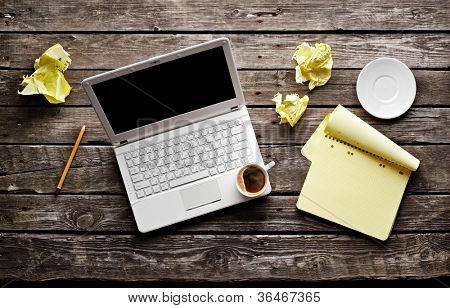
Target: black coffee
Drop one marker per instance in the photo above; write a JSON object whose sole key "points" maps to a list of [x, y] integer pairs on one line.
{"points": [[254, 179]]}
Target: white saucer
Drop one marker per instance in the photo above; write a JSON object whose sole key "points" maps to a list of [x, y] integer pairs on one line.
{"points": [[386, 88]]}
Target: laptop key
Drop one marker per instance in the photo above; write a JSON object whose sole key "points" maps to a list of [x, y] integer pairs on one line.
{"points": [[148, 191], [179, 164], [162, 178], [234, 156], [140, 193], [230, 166], [221, 168], [189, 178], [194, 168], [137, 178], [241, 137], [142, 184], [172, 167], [186, 171], [238, 146], [236, 130], [134, 170], [155, 172]]}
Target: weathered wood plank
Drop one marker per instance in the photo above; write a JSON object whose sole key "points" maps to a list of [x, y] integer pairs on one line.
{"points": [[433, 88], [230, 15], [101, 51], [56, 124], [259, 87], [36, 169], [222, 257], [417, 125], [84, 213]]}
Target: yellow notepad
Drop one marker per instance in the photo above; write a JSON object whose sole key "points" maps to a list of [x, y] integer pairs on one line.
{"points": [[357, 175]]}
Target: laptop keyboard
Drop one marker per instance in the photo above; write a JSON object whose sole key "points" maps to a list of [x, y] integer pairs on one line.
{"points": [[187, 158]]}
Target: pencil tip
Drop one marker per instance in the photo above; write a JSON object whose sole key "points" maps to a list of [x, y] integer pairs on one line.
{"points": [[57, 190]]}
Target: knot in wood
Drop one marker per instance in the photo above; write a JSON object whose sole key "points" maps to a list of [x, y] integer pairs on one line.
{"points": [[219, 258], [85, 221]]}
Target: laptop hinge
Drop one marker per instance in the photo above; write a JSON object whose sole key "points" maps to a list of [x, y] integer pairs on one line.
{"points": [[123, 142], [234, 108]]}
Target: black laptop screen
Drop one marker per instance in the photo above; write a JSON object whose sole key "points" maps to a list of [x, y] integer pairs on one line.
{"points": [[165, 90]]}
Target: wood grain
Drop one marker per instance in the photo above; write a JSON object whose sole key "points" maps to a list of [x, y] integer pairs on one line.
{"points": [[36, 169], [56, 124], [277, 214], [259, 88], [230, 15], [88, 232], [255, 51], [222, 257]]}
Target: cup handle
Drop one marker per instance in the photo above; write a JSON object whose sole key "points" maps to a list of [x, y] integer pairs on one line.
{"points": [[269, 165]]}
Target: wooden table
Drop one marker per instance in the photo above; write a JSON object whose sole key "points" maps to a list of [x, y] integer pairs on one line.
{"points": [[88, 232]]}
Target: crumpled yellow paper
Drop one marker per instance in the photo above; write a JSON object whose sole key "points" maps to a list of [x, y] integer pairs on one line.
{"points": [[291, 108], [313, 64], [48, 78]]}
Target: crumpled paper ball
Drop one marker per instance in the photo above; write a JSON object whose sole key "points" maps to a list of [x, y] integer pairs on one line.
{"points": [[291, 108], [48, 78], [313, 64]]}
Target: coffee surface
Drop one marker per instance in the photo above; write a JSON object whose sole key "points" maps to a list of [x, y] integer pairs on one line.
{"points": [[254, 179]]}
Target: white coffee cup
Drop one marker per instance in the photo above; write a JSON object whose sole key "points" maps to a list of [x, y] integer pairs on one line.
{"points": [[252, 179]]}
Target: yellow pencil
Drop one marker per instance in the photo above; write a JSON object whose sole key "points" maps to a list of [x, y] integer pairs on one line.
{"points": [[69, 162]]}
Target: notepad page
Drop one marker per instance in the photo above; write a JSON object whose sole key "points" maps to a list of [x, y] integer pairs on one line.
{"points": [[346, 126], [351, 187]]}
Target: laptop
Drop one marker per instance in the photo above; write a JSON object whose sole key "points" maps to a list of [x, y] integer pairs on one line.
{"points": [[180, 131]]}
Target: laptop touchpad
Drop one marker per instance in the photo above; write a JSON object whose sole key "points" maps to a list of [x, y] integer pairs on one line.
{"points": [[200, 194]]}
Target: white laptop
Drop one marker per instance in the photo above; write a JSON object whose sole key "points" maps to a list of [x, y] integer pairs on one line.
{"points": [[180, 131]]}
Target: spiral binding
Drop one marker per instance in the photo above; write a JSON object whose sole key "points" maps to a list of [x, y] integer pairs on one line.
{"points": [[362, 150]]}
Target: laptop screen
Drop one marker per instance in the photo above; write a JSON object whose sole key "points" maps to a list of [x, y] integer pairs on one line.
{"points": [[165, 90]]}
